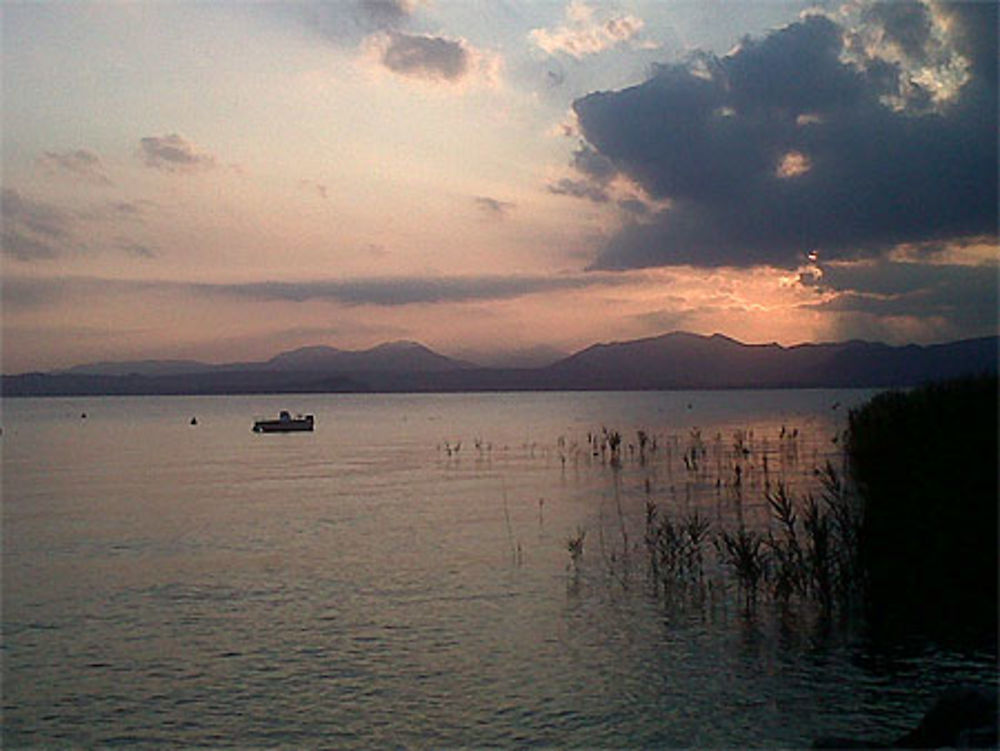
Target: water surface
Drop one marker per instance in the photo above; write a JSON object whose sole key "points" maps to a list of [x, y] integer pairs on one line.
{"points": [[401, 576]]}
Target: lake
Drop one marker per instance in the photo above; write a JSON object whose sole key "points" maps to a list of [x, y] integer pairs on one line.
{"points": [[401, 576]]}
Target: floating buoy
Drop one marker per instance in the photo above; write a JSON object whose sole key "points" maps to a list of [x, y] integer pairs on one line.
{"points": [[194, 420]]}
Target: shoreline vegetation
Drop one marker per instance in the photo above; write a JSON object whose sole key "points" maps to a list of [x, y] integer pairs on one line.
{"points": [[926, 465], [900, 545], [904, 535]]}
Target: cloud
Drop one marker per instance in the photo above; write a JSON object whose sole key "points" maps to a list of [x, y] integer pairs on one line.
{"points": [[173, 154], [584, 35], [138, 250], [906, 25], [421, 56], [314, 187], [494, 208], [33, 230], [433, 59], [389, 292], [795, 142], [344, 22], [634, 206], [960, 300], [116, 212], [384, 29], [129, 208], [595, 174], [33, 292], [396, 291], [81, 163], [595, 166], [568, 186], [386, 14]]}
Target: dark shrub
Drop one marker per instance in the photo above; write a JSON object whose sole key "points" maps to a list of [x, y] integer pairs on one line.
{"points": [[926, 464]]}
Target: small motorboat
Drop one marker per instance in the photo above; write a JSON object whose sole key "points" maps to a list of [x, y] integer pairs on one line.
{"points": [[284, 424]]}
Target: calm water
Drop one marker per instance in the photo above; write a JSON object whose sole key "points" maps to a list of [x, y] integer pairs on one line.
{"points": [[401, 577]]}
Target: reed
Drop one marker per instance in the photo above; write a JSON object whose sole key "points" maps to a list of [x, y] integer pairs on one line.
{"points": [[819, 564], [805, 549], [788, 559], [574, 544], [516, 551], [743, 553], [675, 552]]}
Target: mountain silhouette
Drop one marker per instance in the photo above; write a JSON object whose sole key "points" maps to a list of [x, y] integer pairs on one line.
{"points": [[392, 357], [677, 360], [687, 361]]}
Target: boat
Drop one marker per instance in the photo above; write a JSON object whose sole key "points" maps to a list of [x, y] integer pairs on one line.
{"points": [[284, 424]]}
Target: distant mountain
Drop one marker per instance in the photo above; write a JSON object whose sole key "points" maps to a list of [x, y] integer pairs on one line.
{"points": [[392, 357], [673, 361], [139, 367], [687, 361], [539, 356]]}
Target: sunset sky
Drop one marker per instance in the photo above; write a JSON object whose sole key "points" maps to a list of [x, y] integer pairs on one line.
{"points": [[225, 181]]}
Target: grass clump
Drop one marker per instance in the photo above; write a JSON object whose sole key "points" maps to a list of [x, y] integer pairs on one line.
{"points": [[675, 552]]}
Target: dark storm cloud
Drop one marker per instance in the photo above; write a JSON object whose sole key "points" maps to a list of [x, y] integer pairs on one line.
{"points": [[595, 166], [633, 206], [173, 154], [423, 56], [786, 145], [906, 24], [964, 298]]}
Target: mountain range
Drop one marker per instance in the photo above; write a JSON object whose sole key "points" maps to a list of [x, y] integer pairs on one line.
{"points": [[392, 357], [677, 360]]}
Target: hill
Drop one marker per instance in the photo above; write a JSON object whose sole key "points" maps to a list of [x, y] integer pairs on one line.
{"points": [[392, 357], [673, 361], [686, 361]]}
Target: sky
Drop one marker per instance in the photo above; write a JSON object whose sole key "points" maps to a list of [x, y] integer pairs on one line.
{"points": [[498, 179]]}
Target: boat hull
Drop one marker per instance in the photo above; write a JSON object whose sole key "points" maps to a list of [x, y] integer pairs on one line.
{"points": [[285, 424]]}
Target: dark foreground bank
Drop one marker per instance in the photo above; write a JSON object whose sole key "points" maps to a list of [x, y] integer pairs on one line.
{"points": [[925, 463]]}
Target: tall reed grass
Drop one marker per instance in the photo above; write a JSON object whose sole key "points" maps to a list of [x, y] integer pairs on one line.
{"points": [[763, 541]]}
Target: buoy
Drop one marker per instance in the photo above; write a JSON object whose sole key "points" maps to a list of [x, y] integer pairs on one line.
{"points": [[194, 420]]}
